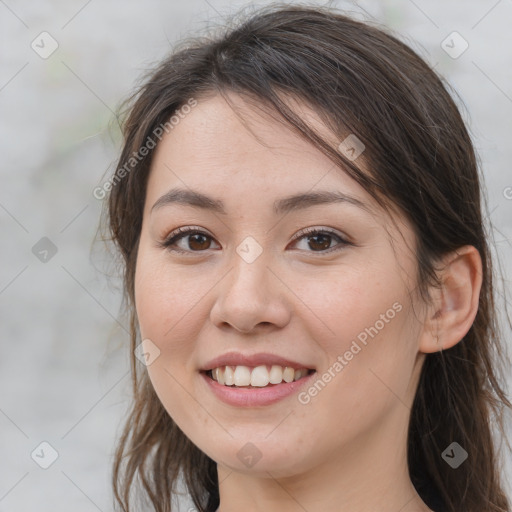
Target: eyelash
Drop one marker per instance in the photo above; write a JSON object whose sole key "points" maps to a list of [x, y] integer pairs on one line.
{"points": [[180, 233]]}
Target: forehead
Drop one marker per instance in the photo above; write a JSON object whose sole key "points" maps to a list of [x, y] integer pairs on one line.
{"points": [[220, 147]]}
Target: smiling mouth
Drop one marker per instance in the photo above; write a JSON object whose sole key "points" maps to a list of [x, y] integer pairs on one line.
{"points": [[256, 377]]}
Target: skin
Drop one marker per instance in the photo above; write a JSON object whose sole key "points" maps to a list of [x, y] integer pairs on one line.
{"points": [[345, 450]]}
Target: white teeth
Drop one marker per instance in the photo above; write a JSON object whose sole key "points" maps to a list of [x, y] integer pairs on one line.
{"points": [[276, 374], [259, 376], [288, 374], [242, 376], [229, 376]]}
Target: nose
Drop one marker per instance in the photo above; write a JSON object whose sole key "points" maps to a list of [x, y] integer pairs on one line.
{"points": [[251, 297]]}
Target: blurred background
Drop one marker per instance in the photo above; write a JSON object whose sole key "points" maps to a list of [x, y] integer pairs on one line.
{"points": [[65, 66]]}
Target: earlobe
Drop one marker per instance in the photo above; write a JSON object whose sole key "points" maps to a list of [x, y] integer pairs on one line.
{"points": [[456, 302]]}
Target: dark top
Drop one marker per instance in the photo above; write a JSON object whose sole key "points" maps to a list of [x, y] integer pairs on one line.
{"points": [[431, 496]]}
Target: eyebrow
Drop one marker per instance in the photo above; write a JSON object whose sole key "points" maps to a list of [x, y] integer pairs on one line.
{"points": [[287, 204]]}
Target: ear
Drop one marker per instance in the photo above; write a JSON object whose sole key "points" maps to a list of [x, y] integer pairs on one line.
{"points": [[455, 303]]}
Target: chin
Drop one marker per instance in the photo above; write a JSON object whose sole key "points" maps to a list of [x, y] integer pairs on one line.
{"points": [[259, 458]]}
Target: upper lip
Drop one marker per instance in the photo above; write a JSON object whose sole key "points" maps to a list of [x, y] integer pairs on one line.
{"points": [[252, 360]]}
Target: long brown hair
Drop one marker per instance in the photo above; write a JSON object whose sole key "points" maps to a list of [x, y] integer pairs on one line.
{"points": [[361, 80]]}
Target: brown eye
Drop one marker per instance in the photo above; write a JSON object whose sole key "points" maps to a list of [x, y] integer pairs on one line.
{"points": [[197, 240], [320, 240], [323, 244]]}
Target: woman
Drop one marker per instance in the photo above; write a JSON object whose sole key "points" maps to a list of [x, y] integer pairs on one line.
{"points": [[297, 205]]}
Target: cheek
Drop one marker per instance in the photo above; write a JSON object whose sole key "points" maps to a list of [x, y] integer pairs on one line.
{"points": [[165, 300], [367, 335], [166, 316], [364, 382], [351, 304], [162, 309]]}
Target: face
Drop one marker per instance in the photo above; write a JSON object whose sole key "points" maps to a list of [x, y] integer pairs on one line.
{"points": [[324, 286]]}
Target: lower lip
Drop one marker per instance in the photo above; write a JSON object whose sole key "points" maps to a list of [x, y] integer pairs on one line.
{"points": [[249, 397]]}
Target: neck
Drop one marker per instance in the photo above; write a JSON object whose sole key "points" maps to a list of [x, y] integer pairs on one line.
{"points": [[369, 473]]}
